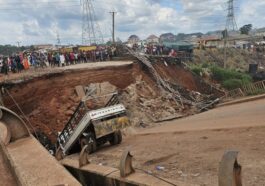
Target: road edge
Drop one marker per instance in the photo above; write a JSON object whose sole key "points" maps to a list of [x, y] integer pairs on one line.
{"points": [[243, 100]]}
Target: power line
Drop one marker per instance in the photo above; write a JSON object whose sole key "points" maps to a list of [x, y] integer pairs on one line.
{"points": [[91, 33], [230, 26], [230, 18]]}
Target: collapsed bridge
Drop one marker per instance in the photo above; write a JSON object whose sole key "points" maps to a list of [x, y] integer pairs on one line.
{"points": [[48, 101]]}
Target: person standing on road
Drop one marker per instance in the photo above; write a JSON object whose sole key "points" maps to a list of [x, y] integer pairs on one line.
{"points": [[50, 59], [18, 63], [62, 60], [13, 64], [76, 57], [33, 60], [57, 58], [26, 62], [5, 66], [67, 59], [72, 58]]}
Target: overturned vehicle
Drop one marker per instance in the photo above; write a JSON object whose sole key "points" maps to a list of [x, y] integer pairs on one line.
{"points": [[92, 128]]}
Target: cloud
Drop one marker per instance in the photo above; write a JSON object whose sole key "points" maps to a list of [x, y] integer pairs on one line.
{"points": [[31, 28], [38, 21], [252, 12]]}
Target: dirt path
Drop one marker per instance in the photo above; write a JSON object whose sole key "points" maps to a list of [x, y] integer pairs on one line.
{"points": [[190, 149], [241, 115]]}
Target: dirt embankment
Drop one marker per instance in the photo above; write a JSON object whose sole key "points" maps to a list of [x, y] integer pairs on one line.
{"points": [[49, 101], [178, 75]]}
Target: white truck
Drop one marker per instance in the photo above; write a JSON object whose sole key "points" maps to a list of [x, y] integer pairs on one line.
{"points": [[92, 127]]}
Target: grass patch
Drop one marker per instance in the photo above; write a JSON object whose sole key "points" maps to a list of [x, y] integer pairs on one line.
{"points": [[228, 78], [221, 75]]}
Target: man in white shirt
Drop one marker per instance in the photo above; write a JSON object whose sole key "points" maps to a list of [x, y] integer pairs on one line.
{"points": [[62, 60]]}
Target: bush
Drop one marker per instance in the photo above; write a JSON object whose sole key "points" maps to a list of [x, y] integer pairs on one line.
{"points": [[197, 70], [232, 84], [223, 75], [230, 79], [205, 65]]}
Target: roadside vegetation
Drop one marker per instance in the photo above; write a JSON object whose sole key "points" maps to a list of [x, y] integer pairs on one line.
{"points": [[229, 79]]}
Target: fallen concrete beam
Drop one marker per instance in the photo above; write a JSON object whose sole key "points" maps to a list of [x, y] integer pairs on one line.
{"points": [[80, 91], [10, 165], [35, 166]]}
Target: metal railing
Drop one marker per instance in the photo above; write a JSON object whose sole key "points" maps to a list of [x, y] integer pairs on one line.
{"points": [[73, 122], [163, 85], [254, 88], [245, 90]]}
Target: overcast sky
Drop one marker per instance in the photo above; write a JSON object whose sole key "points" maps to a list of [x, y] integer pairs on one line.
{"points": [[38, 21]]}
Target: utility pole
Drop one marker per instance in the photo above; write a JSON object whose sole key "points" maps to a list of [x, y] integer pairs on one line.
{"points": [[225, 35], [18, 43], [113, 26], [58, 39]]}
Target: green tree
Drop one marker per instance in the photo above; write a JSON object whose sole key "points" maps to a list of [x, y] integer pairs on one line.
{"points": [[246, 29], [11, 49]]}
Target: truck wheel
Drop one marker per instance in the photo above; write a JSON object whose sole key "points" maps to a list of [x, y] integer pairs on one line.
{"points": [[115, 139], [91, 144], [119, 136], [59, 154]]}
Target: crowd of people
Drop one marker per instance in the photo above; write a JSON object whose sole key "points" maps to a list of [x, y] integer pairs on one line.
{"points": [[152, 49], [24, 60], [162, 50], [14, 63], [70, 58]]}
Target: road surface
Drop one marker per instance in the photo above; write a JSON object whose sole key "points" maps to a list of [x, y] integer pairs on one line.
{"points": [[31, 73], [249, 114], [190, 149]]}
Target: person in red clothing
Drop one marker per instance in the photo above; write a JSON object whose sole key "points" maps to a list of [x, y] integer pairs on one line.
{"points": [[25, 62], [173, 53], [72, 58], [50, 60]]}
